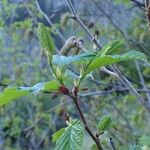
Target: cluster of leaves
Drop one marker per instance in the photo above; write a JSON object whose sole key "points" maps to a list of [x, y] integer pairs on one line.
{"points": [[92, 60]]}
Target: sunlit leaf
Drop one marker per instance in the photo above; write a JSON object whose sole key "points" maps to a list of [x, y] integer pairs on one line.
{"points": [[11, 93], [51, 86]]}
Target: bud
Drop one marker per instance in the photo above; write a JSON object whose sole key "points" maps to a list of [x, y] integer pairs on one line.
{"points": [[59, 74], [75, 91], [63, 90]]}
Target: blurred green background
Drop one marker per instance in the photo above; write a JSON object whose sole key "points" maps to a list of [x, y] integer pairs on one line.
{"points": [[28, 123]]}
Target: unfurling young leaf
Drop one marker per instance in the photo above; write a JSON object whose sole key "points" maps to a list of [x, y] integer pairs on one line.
{"points": [[112, 48], [46, 40], [71, 138], [59, 73], [105, 124]]}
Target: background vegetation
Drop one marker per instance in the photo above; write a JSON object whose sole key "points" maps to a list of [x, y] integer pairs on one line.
{"points": [[30, 122]]}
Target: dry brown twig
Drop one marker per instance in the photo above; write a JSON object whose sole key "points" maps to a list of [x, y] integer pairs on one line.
{"points": [[147, 11]]}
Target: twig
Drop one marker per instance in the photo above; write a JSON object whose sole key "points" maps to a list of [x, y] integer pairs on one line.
{"points": [[111, 91], [141, 5], [124, 116], [49, 21], [3, 84], [142, 80], [112, 143], [109, 72], [29, 11], [77, 19], [42, 117], [132, 89], [147, 11], [43, 136], [35, 19], [75, 99]]}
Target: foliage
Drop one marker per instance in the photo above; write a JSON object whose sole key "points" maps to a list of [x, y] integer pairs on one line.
{"points": [[42, 109], [94, 63]]}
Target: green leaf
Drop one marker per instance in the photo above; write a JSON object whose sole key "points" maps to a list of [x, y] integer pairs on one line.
{"points": [[11, 93], [111, 48], [57, 135], [145, 140], [46, 40], [42, 86], [72, 138], [105, 124], [105, 60], [51, 86], [63, 60]]}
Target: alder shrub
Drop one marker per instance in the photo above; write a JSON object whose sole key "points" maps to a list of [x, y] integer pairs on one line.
{"points": [[72, 136]]}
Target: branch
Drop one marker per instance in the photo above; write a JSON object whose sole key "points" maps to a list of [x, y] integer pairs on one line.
{"points": [[138, 3], [147, 11], [75, 99], [49, 21], [42, 117], [111, 91], [77, 19], [5, 85], [142, 80], [112, 143], [132, 89]]}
